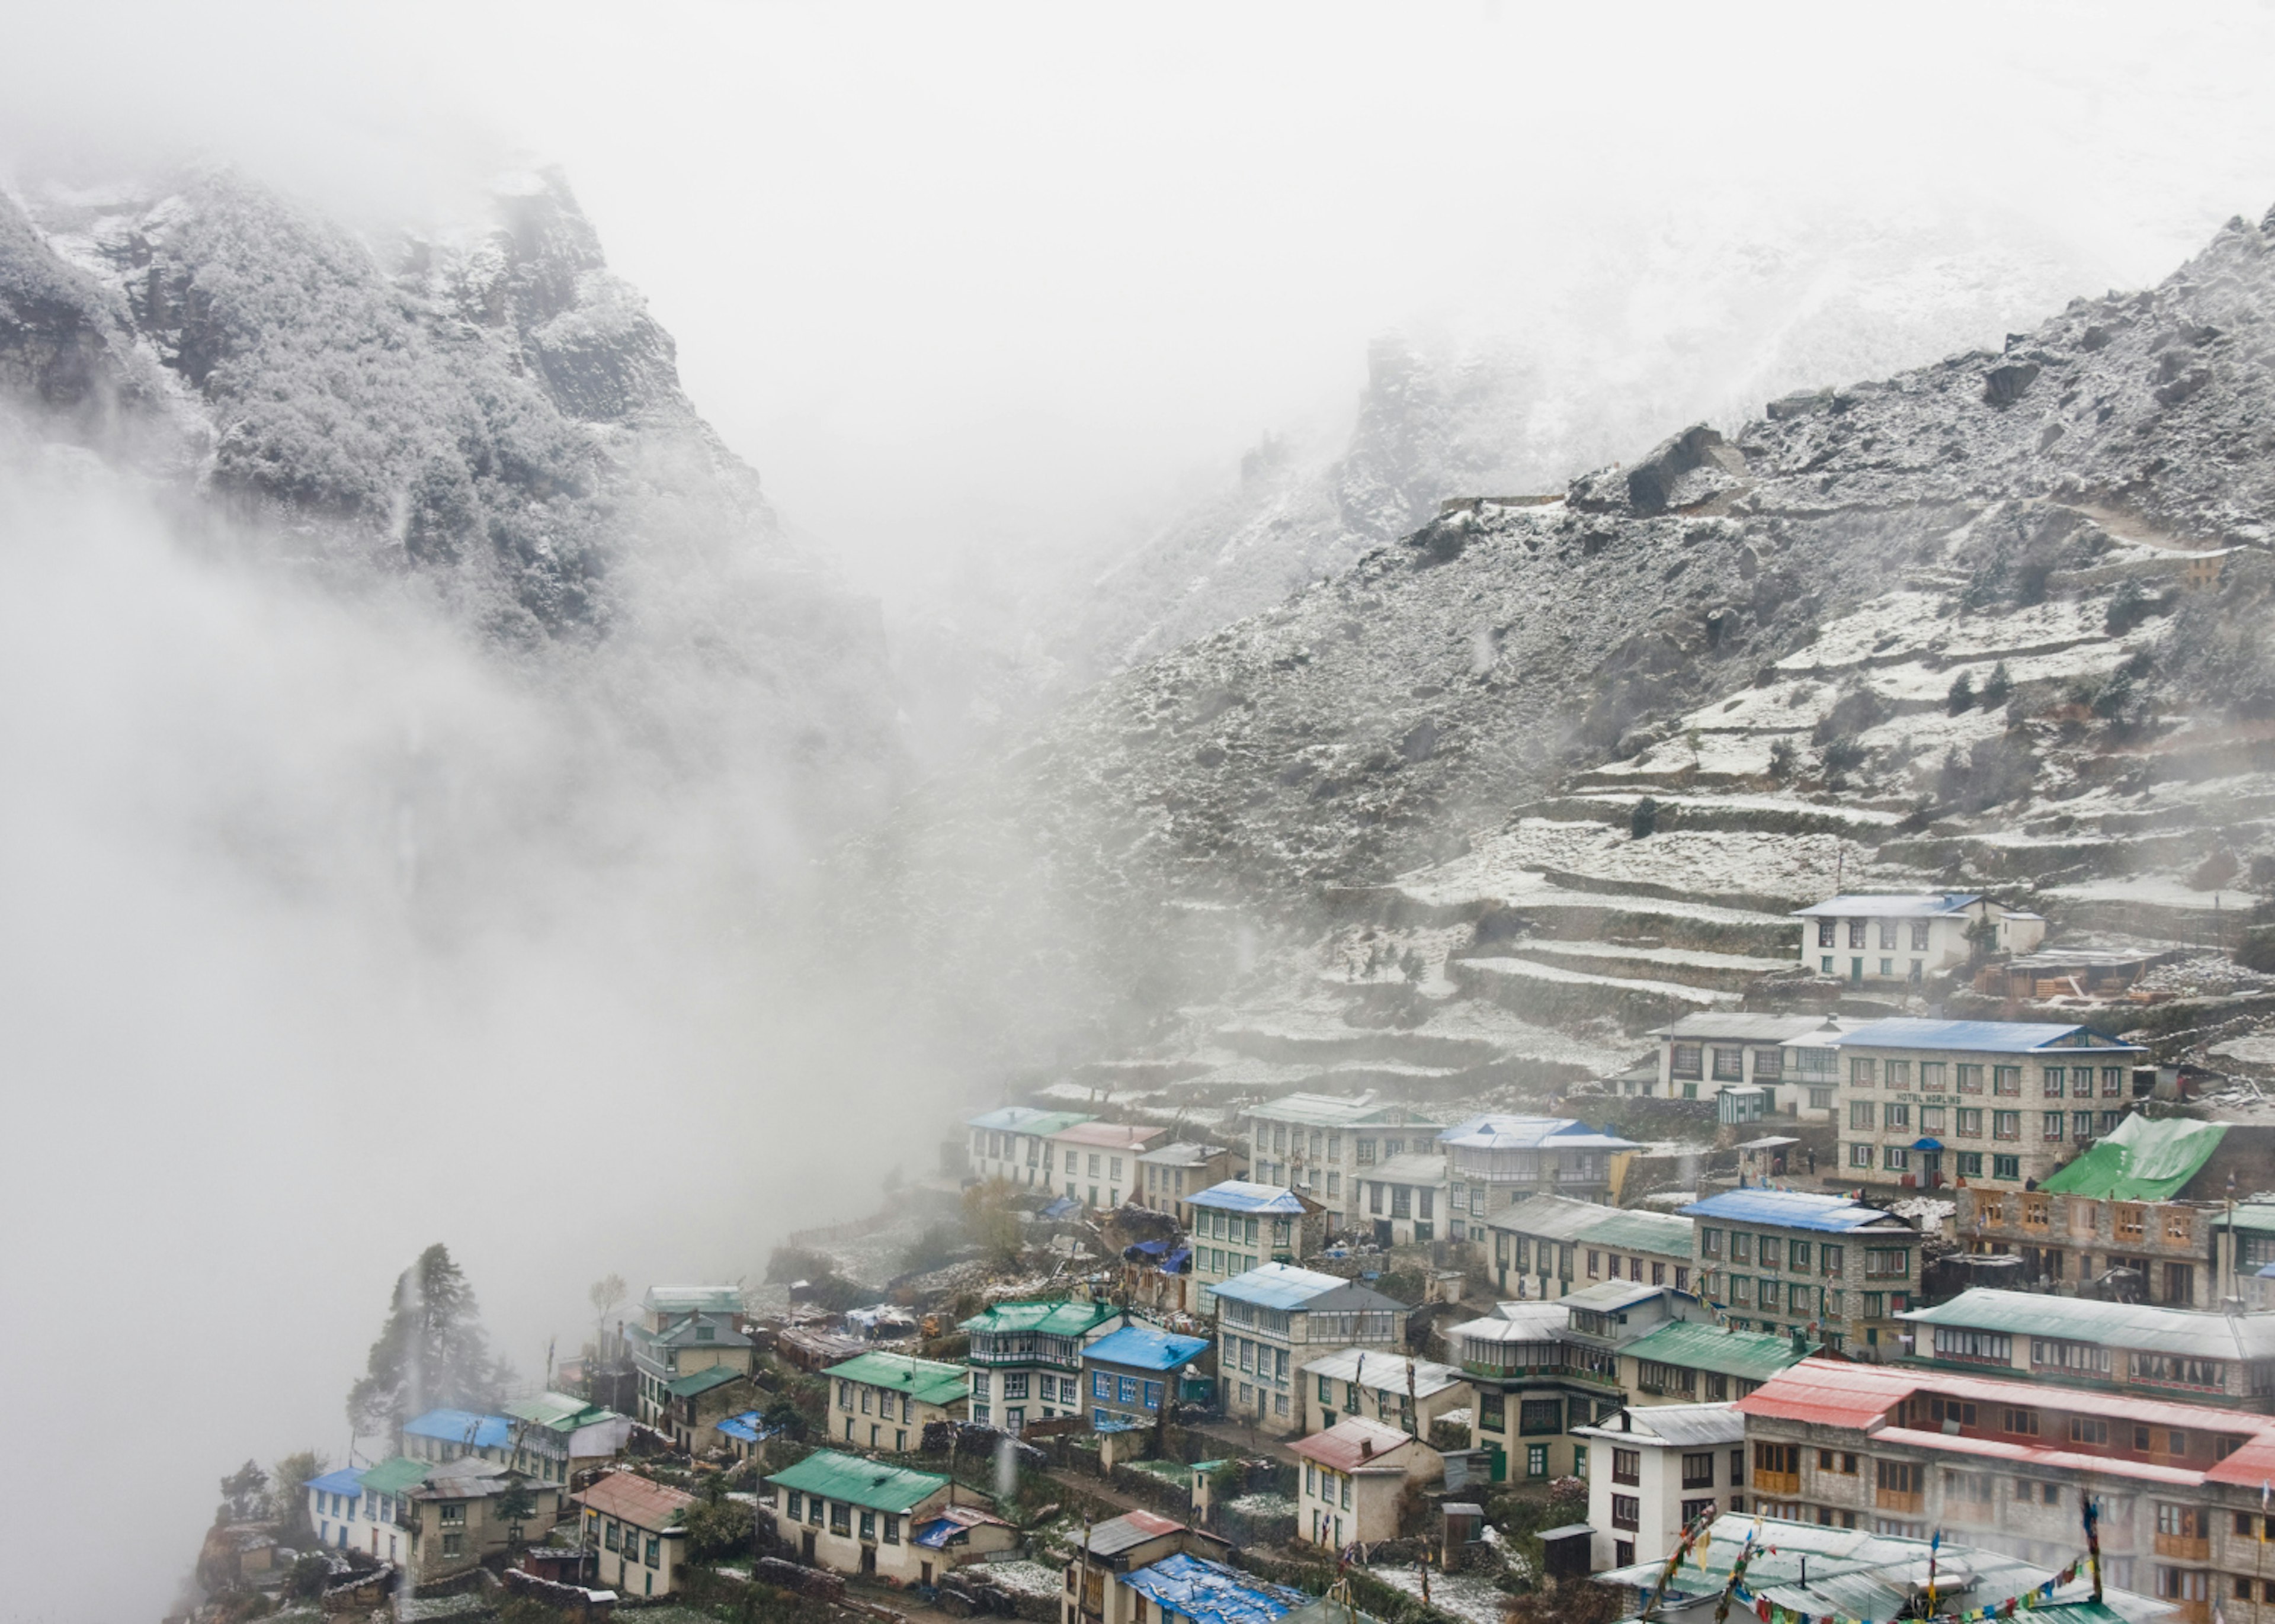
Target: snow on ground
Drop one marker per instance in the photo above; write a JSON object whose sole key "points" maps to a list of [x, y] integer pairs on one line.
{"points": [[1264, 1505], [1862, 817], [1691, 958], [1531, 970], [1731, 755], [1698, 861], [1024, 1577], [2164, 890], [1910, 623], [1469, 1597]]}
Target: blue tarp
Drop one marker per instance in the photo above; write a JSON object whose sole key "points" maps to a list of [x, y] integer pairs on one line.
{"points": [[749, 1427], [463, 1426], [1142, 1348], [1791, 1209], [1212, 1593], [1174, 1263], [1065, 1207], [1152, 1249]]}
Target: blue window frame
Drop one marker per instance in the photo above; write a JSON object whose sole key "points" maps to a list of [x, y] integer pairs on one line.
{"points": [[1101, 1385], [1129, 1393], [1153, 1395]]}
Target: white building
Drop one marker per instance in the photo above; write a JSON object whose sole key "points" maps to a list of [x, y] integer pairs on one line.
{"points": [[1496, 1161], [1321, 1144], [1784, 1054], [1274, 1320], [1408, 1199], [1013, 1142], [1653, 1470], [1168, 1176], [1098, 1161], [1998, 1102], [1907, 939], [1382, 1385]]}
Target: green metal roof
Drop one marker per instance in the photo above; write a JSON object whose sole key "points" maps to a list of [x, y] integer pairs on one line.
{"points": [[2254, 1217], [2140, 1159], [1059, 1317], [556, 1412], [1549, 1218], [703, 1381], [925, 1380], [395, 1475], [1640, 1232], [856, 1482], [1752, 1355]]}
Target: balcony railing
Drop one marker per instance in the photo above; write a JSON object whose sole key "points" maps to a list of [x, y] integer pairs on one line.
{"points": [[2183, 1548], [1024, 1356], [1777, 1483], [1897, 1499]]}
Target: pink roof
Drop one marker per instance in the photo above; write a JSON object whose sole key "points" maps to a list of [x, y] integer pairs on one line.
{"points": [[1108, 1136], [1151, 1523], [1354, 1445], [1833, 1392], [2252, 1464]]}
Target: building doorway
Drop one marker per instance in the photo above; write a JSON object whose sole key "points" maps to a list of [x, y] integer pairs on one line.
{"points": [[806, 1547]]}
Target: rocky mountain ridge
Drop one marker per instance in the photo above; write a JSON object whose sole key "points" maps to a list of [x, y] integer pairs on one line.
{"points": [[2076, 522]]}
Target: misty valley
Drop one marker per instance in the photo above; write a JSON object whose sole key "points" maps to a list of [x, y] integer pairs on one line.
{"points": [[1560, 1002]]}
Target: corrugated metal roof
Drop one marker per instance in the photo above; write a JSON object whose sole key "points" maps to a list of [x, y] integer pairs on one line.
{"points": [[1027, 1119], [1184, 1153], [346, 1480], [1612, 1296], [630, 1497], [694, 1300], [1541, 1322], [1355, 1445], [2140, 1159], [1751, 1356], [1552, 1217], [462, 1426], [1754, 1028], [1380, 1368], [1334, 1111], [928, 1381], [1792, 1209], [1279, 1285], [954, 1521], [1837, 1394], [1108, 1135], [1496, 1131], [557, 1412], [1641, 1232], [703, 1381], [1240, 1196], [857, 1481], [2254, 1217], [1682, 1425], [1210, 1593], [2037, 1454], [1980, 1037], [1128, 1530], [394, 1476], [1416, 1170], [1058, 1316], [1893, 907], [1142, 1348], [2135, 1327]]}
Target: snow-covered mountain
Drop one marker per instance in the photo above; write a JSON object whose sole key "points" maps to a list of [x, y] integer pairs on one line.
{"points": [[486, 419]]}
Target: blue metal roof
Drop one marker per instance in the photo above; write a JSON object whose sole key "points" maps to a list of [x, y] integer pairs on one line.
{"points": [[463, 1426], [1212, 1593], [1990, 1037], [1789, 1209], [1860, 905], [341, 1482], [1142, 1348], [1279, 1285], [1239, 1196], [1519, 1133]]}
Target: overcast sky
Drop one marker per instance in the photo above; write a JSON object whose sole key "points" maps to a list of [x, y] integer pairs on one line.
{"points": [[952, 277], [948, 270]]}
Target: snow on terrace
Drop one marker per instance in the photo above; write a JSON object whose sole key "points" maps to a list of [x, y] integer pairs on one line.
{"points": [[1901, 626], [1473, 1598], [1519, 971], [1684, 958], [2163, 891], [1702, 863]]}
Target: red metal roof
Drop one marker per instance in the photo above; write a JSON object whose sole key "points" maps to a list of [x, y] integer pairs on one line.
{"points": [[1354, 1445], [1833, 1393], [2251, 1465], [630, 1498]]}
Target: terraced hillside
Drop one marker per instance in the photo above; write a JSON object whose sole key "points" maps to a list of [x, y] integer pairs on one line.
{"points": [[2001, 621]]}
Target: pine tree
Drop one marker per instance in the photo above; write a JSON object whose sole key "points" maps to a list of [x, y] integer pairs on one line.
{"points": [[432, 1351]]}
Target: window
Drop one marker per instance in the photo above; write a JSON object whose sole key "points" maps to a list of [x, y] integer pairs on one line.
{"points": [[868, 1526], [2088, 1430], [892, 1528], [1769, 1064], [1827, 930], [2054, 1125], [453, 1544], [2181, 1521], [1860, 1153], [1898, 1072], [1895, 1158], [1627, 1466], [1771, 1250], [1899, 1114], [841, 1517], [1742, 1247], [1970, 1077], [1831, 1256], [2052, 1354], [1101, 1385], [1627, 1511], [1931, 1120], [1729, 1065], [2049, 1081], [2182, 1584], [1974, 1347], [1968, 1121], [1957, 1410], [1698, 1470], [1535, 1459], [1861, 1113], [2112, 1081], [1710, 1242], [1887, 1262], [654, 1549], [1860, 1072], [1365, 1152], [2019, 1422], [1534, 1416], [2005, 1124], [1968, 1163], [610, 1539], [2005, 1079]]}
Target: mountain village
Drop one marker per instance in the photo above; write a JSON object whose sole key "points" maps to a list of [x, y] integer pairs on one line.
{"points": [[1908, 1261]]}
